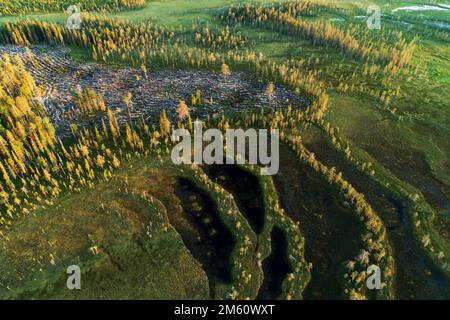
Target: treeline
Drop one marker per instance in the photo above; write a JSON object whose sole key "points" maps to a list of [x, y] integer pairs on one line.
{"points": [[107, 38], [275, 217], [376, 250], [418, 209], [36, 167], [287, 19], [289, 121], [297, 9], [89, 101], [158, 47], [95, 153], [25, 131], [305, 8], [10, 7], [245, 273]]}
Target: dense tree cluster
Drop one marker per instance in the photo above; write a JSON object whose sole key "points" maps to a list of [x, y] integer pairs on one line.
{"points": [[35, 166], [25, 131], [108, 38], [116, 40], [51, 168], [90, 102], [9, 7], [376, 247], [297, 280]]}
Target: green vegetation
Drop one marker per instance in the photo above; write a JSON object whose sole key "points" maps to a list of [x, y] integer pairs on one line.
{"points": [[12, 7], [296, 281], [378, 98]]}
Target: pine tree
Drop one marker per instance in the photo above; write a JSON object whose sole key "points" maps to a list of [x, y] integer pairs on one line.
{"points": [[182, 110], [225, 69], [270, 89], [128, 102]]}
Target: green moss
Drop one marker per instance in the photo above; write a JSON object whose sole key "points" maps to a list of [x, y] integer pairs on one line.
{"points": [[123, 243]]}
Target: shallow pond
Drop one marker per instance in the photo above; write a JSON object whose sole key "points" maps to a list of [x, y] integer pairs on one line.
{"points": [[439, 7]]}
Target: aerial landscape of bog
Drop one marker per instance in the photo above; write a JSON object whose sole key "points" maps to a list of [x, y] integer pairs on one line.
{"points": [[225, 150]]}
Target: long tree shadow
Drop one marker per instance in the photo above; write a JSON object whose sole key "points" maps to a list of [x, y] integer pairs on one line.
{"points": [[245, 188], [276, 267], [215, 244]]}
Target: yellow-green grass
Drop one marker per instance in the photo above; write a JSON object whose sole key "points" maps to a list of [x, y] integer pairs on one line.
{"points": [[122, 241]]}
